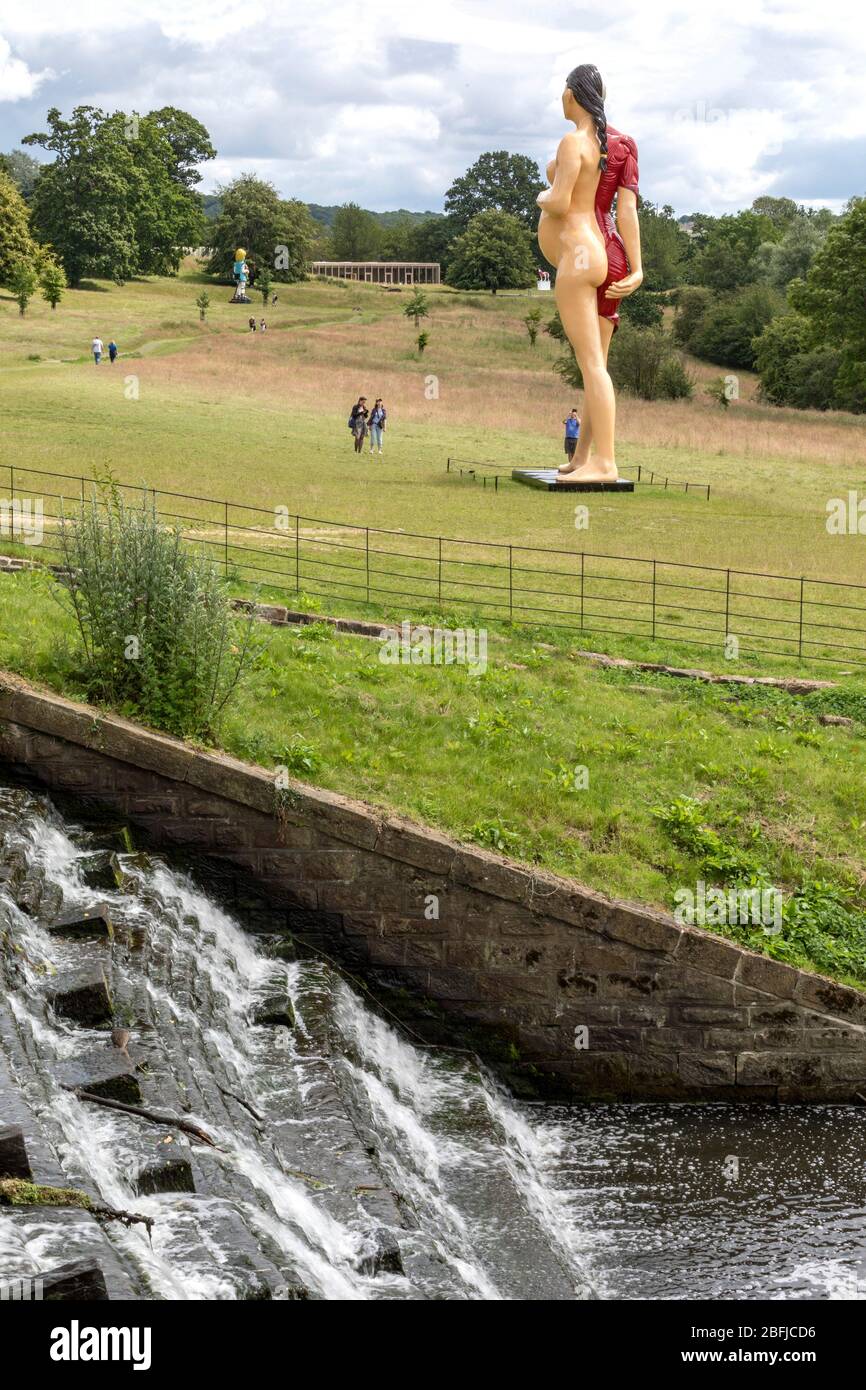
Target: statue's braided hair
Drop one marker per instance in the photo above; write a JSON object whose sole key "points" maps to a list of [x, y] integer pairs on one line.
{"points": [[585, 84]]}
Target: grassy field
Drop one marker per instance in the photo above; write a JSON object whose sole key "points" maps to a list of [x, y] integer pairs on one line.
{"points": [[262, 419], [684, 780]]}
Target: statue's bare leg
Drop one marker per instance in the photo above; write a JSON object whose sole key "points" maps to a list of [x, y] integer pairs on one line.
{"points": [[578, 308], [584, 442]]}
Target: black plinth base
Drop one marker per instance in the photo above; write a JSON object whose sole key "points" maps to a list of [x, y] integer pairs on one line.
{"points": [[547, 480]]}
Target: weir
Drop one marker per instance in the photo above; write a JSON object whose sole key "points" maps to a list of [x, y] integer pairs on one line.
{"points": [[348, 1164]]}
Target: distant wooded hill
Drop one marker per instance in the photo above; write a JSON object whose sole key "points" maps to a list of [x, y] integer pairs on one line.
{"points": [[212, 204]]}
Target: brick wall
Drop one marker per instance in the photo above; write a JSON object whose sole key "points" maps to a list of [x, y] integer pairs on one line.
{"points": [[514, 956]]}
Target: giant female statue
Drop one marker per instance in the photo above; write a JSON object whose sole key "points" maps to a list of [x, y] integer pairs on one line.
{"points": [[597, 262]]}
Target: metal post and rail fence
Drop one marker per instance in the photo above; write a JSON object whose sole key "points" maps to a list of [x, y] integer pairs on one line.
{"points": [[474, 468], [417, 576]]}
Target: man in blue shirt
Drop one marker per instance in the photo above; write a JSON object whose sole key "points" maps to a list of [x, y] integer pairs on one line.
{"points": [[572, 434]]}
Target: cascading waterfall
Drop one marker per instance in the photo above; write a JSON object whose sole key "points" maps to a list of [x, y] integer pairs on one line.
{"points": [[349, 1163]]}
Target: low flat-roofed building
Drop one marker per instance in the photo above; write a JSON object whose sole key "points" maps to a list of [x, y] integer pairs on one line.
{"points": [[381, 272]]}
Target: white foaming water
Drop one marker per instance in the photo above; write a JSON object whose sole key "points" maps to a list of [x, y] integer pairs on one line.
{"points": [[203, 976]]}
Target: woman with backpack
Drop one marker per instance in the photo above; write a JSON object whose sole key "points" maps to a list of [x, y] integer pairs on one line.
{"points": [[358, 423], [378, 416]]}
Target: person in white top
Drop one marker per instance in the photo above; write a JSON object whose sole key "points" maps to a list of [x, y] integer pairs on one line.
{"points": [[96, 349]]}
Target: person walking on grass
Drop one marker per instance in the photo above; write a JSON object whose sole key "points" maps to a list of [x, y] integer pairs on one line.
{"points": [[96, 349], [572, 433], [112, 350], [378, 416], [358, 423]]}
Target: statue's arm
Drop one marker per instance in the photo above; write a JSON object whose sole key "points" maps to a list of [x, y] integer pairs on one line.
{"points": [[628, 226], [557, 199]]}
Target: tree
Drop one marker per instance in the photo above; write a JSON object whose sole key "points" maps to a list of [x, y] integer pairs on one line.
{"points": [[492, 254], [188, 140], [531, 321], [431, 240], [778, 263], [52, 281], [203, 304], [16, 241], [792, 371], [395, 241], [423, 340], [833, 295], [643, 310], [23, 283], [417, 307], [732, 323], [780, 211], [23, 170], [664, 246], [725, 260], [274, 233], [117, 200], [355, 235], [264, 285], [642, 363], [500, 182]]}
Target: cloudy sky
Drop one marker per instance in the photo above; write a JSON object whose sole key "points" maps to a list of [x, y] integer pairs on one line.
{"points": [[386, 101]]}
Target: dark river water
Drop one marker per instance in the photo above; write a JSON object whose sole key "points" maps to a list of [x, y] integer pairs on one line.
{"points": [[351, 1163]]}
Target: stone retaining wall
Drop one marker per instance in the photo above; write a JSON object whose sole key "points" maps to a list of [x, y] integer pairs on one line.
{"points": [[596, 998]]}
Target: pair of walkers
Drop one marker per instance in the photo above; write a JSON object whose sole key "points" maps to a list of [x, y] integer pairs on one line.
{"points": [[363, 422], [97, 349]]}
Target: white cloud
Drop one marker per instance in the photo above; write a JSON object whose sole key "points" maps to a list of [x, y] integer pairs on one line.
{"points": [[16, 79], [387, 102]]}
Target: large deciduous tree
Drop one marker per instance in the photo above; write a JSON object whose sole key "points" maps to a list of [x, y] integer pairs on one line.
{"points": [[492, 254], [500, 182], [117, 200], [16, 243], [356, 235], [274, 233]]}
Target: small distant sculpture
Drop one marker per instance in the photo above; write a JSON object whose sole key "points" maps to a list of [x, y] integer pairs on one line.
{"points": [[598, 262], [241, 273]]}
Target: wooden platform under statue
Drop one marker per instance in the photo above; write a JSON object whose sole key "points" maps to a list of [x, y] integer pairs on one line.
{"points": [[547, 480]]}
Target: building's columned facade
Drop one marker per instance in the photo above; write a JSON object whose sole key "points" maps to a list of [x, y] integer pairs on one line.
{"points": [[381, 272]]}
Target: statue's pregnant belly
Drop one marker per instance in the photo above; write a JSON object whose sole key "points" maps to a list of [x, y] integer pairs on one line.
{"points": [[548, 236]]}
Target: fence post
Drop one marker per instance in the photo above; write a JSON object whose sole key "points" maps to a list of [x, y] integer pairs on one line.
{"points": [[439, 574], [297, 555], [727, 606], [583, 558], [227, 539], [654, 601], [367, 557], [800, 640], [510, 583]]}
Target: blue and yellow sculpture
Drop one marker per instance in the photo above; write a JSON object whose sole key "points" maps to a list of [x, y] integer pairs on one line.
{"points": [[241, 273]]}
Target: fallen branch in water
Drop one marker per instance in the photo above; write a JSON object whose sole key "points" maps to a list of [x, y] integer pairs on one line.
{"points": [[232, 1095], [20, 1192], [158, 1117]]}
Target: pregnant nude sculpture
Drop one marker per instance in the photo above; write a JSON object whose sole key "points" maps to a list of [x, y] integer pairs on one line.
{"points": [[597, 262]]}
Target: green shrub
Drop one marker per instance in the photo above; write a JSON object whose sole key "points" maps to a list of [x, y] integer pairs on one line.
{"points": [[642, 362], [159, 636]]}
